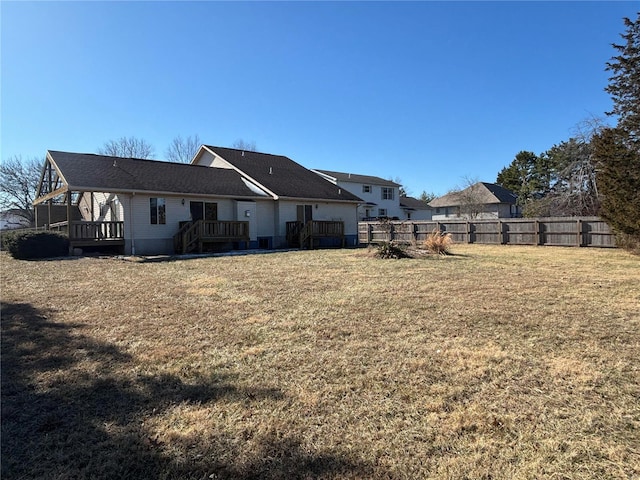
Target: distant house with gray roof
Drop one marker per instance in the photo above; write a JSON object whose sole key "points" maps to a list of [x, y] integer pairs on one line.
{"points": [[415, 209], [481, 200]]}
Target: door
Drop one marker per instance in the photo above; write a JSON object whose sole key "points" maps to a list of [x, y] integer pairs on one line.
{"points": [[304, 213], [197, 211]]}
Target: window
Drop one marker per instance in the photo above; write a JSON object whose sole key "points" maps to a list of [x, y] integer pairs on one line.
{"points": [[382, 212], [387, 193], [157, 211], [366, 188]]}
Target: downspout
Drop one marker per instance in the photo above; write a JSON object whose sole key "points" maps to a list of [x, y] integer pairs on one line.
{"points": [[133, 240]]}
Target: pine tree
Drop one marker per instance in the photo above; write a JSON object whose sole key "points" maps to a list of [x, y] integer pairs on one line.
{"points": [[624, 84], [619, 182], [617, 150]]}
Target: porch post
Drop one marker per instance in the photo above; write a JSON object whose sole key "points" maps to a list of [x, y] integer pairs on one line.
{"points": [[69, 221]]}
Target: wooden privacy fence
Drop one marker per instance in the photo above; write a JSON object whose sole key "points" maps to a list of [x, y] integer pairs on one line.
{"points": [[556, 231]]}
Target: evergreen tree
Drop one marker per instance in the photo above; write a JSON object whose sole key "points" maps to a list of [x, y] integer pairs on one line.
{"points": [[624, 84], [619, 180], [617, 150]]}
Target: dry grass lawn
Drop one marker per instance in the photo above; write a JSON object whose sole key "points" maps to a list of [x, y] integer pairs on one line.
{"points": [[492, 363]]}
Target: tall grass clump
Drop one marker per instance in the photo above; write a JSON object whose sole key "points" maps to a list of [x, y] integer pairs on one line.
{"points": [[438, 242]]}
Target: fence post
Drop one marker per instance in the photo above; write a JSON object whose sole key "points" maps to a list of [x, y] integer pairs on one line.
{"points": [[579, 232], [538, 233]]}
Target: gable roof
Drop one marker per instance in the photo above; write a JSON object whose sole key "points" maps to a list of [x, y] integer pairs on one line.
{"points": [[413, 203], [356, 178], [282, 176], [481, 192], [89, 172]]}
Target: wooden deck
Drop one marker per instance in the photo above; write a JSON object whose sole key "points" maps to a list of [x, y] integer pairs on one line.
{"points": [[303, 234], [192, 236], [86, 233]]}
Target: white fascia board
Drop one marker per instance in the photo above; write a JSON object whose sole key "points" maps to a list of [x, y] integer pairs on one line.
{"points": [[333, 180]]}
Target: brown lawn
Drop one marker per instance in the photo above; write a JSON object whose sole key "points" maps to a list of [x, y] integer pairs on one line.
{"points": [[496, 362]]}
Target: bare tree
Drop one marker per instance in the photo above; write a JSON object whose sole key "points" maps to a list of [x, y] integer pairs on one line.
{"points": [[19, 181], [470, 198], [182, 150], [127, 147], [401, 190], [241, 144]]}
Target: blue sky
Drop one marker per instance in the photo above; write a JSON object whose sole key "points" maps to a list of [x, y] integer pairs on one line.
{"points": [[427, 92]]}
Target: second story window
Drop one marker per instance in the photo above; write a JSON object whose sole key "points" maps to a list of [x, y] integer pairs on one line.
{"points": [[366, 188], [387, 193]]}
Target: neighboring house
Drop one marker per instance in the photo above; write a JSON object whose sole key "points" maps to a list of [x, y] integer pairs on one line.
{"points": [[226, 196], [481, 200], [415, 209], [381, 197], [12, 218]]}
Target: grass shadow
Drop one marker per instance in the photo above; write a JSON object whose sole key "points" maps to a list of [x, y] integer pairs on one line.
{"points": [[61, 420]]}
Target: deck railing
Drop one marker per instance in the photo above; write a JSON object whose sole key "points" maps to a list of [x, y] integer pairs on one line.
{"points": [[300, 233], [192, 235], [90, 230]]}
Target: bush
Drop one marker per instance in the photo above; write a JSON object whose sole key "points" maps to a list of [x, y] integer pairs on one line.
{"points": [[438, 242], [28, 245], [391, 250]]}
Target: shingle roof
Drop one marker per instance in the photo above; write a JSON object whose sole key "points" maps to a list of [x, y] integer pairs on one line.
{"points": [[283, 176], [355, 178], [89, 172], [414, 203], [482, 192]]}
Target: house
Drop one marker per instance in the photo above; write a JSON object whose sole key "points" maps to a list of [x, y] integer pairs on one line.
{"points": [[297, 195], [415, 209], [225, 198], [381, 197], [479, 201], [13, 218]]}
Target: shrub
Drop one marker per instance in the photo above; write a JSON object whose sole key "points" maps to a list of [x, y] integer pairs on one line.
{"points": [[391, 250], [28, 245], [438, 242]]}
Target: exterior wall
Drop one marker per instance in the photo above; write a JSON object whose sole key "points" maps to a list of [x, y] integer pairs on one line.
{"points": [[206, 159], [149, 239], [266, 226], [323, 211], [375, 196], [491, 211], [423, 214], [101, 207], [247, 212]]}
